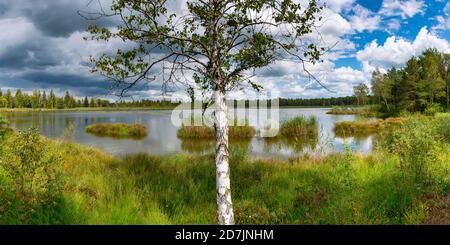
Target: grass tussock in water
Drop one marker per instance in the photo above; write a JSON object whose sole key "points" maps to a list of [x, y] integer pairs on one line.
{"points": [[299, 127], [118, 130], [361, 128], [387, 187], [366, 111], [205, 132]]}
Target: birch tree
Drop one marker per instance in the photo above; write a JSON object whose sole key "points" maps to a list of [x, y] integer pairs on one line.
{"points": [[218, 44]]}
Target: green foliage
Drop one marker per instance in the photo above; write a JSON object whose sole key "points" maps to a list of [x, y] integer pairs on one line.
{"points": [[432, 108], [419, 87], [32, 182], [4, 127], [218, 41], [118, 130], [418, 144], [361, 93]]}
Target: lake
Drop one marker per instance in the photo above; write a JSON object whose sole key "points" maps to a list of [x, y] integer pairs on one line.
{"points": [[162, 138]]}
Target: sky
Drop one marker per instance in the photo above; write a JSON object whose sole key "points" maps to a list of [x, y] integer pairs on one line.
{"points": [[42, 47]]}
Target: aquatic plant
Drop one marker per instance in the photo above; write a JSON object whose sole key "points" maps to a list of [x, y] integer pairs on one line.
{"points": [[118, 130]]}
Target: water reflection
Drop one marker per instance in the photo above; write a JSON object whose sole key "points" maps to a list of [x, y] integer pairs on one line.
{"points": [[162, 138]]}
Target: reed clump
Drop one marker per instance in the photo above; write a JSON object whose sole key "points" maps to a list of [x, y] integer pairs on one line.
{"points": [[299, 126], [205, 132], [118, 130]]}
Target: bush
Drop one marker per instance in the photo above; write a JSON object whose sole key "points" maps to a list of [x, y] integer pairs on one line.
{"points": [[418, 147], [4, 127], [34, 172], [432, 108]]}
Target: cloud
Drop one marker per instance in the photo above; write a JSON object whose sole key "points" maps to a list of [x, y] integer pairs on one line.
{"points": [[404, 8], [443, 21], [396, 51], [338, 5], [56, 18], [364, 19]]}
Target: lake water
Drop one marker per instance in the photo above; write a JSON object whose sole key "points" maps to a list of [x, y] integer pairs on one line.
{"points": [[162, 138]]}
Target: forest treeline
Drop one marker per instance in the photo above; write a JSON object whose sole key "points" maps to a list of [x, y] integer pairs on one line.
{"points": [[40, 99], [422, 84]]}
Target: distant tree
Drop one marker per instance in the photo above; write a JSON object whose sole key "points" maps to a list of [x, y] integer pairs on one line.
{"points": [[3, 102], [361, 92], [9, 98], [19, 99], [93, 102], [52, 100], [86, 102], [44, 100]]}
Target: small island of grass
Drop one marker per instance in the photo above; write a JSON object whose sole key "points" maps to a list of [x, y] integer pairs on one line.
{"points": [[299, 126], [364, 127], [361, 111], [205, 132], [118, 130]]}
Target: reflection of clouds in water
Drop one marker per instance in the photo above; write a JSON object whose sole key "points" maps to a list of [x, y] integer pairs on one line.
{"points": [[162, 138]]}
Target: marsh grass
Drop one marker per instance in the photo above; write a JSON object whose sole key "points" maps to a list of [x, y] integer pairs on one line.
{"points": [[205, 132], [118, 130], [386, 187], [299, 126], [365, 128], [366, 111]]}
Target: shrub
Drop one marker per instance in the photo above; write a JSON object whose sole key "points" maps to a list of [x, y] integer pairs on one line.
{"points": [[418, 147], [118, 130], [432, 108], [34, 172], [4, 127]]}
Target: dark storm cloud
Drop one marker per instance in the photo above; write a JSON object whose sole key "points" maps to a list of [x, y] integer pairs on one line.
{"points": [[32, 55], [56, 18]]}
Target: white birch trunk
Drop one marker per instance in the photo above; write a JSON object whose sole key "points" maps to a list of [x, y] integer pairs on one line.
{"points": [[225, 214]]}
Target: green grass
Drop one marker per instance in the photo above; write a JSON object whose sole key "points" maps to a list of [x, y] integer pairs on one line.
{"points": [[362, 128], [299, 126], [389, 186], [118, 130], [205, 132]]}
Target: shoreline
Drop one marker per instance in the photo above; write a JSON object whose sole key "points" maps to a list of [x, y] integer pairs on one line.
{"points": [[9, 110]]}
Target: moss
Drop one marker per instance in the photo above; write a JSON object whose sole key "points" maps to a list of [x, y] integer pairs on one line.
{"points": [[118, 130]]}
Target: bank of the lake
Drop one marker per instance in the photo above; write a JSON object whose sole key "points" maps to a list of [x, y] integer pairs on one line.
{"points": [[393, 185]]}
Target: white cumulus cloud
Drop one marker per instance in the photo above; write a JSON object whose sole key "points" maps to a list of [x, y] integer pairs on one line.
{"points": [[396, 51]]}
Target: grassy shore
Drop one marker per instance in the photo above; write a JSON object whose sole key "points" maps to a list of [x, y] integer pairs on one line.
{"points": [[394, 185], [118, 130]]}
